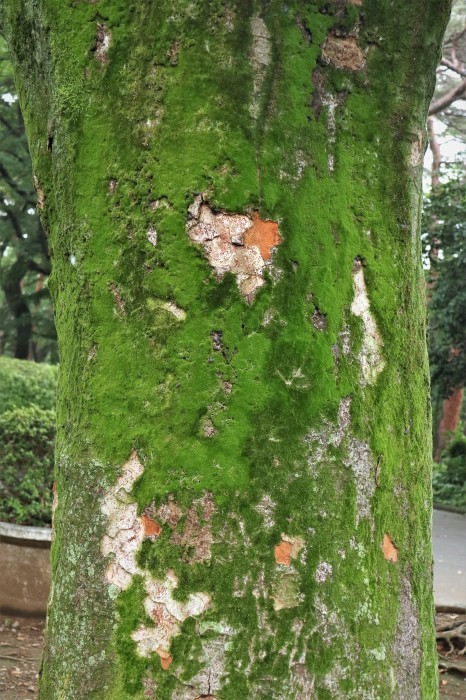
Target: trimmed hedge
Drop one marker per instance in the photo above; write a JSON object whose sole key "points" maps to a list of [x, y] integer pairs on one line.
{"points": [[24, 383], [27, 437], [449, 479]]}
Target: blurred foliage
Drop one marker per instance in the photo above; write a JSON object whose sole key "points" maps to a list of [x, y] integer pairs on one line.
{"points": [[444, 239], [449, 478], [27, 436], [24, 384], [26, 317], [26, 455]]}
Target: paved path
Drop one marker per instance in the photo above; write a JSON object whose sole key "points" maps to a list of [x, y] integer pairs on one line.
{"points": [[449, 540]]}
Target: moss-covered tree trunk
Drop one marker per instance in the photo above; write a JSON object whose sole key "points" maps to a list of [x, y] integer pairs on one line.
{"points": [[231, 192]]}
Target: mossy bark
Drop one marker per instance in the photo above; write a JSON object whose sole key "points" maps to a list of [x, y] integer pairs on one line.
{"points": [[243, 477]]}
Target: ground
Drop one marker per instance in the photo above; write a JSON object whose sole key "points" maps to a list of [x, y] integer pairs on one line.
{"points": [[20, 651]]}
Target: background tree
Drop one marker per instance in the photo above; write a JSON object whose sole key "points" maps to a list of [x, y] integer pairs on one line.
{"points": [[232, 195], [26, 316], [447, 115]]}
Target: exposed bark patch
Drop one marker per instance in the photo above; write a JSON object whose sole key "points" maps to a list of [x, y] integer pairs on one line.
{"points": [[286, 593], [125, 531], [416, 155], [173, 52], [406, 649], [319, 320], [39, 192], [152, 235], [288, 549], [165, 658], [260, 58], [55, 498], [151, 527], [170, 513], [266, 508], [227, 386], [390, 552], [319, 440], [360, 461], [304, 29], [343, 52], [124, 534], [102, 44], [167, 614], [196, 536], [370, 357], [120, 304], [112, 186], [209, 429], [175, 310], [234, 243], [217, 344]]}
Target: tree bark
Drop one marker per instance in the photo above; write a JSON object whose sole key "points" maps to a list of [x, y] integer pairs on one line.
{"points": [[232, 196], [451, 413]]}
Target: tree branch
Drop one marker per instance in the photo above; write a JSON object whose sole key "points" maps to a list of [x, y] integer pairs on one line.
{"points": [[446, 100], [448, 64]]}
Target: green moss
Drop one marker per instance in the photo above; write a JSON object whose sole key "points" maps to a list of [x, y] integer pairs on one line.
{"points": [[145, 128]]}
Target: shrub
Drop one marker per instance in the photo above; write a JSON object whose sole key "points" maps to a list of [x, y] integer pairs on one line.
{"points": [[24, 383], [449, 478], [26, 465]]}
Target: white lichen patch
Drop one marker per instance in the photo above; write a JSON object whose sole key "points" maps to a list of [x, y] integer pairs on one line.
{"points": [[125, 533], [360, 461], [416, 155], [370, 357], [167, 614], [260, 58], [323, 572], [236, 243], [329, 434], [102, 45], [152, 235], [266, 508], [175, 310]]}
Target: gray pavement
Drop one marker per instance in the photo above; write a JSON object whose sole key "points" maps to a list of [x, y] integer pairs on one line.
{"points": [[449, 541]]}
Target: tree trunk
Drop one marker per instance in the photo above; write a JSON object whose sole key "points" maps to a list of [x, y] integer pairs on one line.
{"points": [[232, 196], [451, 412]]}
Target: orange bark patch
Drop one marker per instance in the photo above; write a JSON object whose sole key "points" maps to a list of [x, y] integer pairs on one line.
{"points": [[151, 527], [390, 552], [288, 549], [165, 658], [283, 553], [263, 234]]}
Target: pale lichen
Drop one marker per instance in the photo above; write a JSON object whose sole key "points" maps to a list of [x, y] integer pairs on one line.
{"points": [[152, 235], [370, 357], [102, 45], [260, 59], [125, 532]]}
